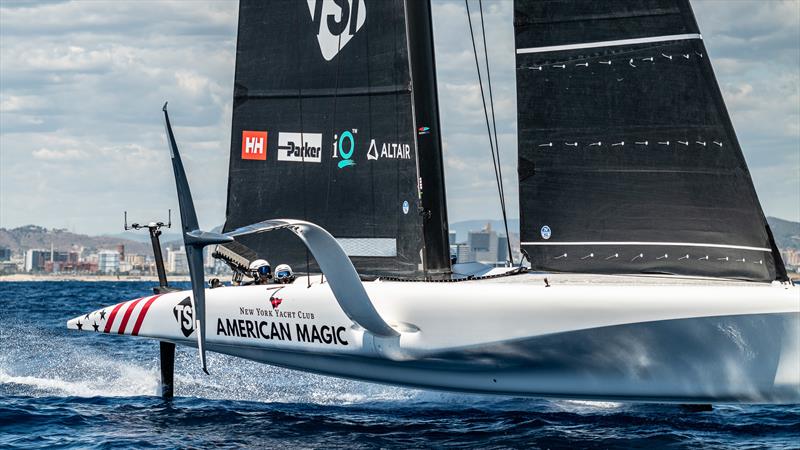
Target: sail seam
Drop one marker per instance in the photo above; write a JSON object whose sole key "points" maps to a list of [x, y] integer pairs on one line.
{"points": [[615, 43], [675, 244]]}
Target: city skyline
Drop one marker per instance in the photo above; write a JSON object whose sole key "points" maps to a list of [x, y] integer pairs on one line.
{"points": [[81, 85]]}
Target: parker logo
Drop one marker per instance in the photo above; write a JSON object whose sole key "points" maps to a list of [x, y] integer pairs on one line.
{"points": [[337, 22], [184, 315], [254, 145], [300, 147]]}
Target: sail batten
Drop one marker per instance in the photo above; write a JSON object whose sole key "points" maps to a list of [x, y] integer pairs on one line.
{"points": [[616, 43], [628, 161]]}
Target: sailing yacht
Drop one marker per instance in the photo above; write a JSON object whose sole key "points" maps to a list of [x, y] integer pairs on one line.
{"points": [[653, 273]]}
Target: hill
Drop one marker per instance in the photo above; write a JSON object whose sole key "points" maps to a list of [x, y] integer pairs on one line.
{"points": [[786, 233], [31, 236]]}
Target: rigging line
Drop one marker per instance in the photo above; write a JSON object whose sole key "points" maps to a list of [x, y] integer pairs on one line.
{"points": [[496, 144], [485, 111], [305, 185]]}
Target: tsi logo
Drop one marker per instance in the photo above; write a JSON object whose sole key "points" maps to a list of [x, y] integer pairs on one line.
{"points": [[337, 21], [254, 145], [300, 147], [185, 316]]}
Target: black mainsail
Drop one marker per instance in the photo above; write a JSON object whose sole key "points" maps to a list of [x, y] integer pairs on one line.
{"points": [[335, 121], [628, 161]]}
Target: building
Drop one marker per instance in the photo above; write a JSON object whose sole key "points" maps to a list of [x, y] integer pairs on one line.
{"points": [[35, 259], [8, 267], [5, 254], [60, 261], [791, 257], [483, 245], [108, 261], [176, 261], [502, 249], [460, 252], [136, 261]]}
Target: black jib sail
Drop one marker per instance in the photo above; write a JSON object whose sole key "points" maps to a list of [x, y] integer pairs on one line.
{"points": [[327, 128], [628, 162]]}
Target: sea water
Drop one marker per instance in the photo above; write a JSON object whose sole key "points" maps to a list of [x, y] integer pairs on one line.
{"points": [[61, 388]]}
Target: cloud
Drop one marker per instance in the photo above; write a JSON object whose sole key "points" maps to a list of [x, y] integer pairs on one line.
{"points": [[45, 154]]}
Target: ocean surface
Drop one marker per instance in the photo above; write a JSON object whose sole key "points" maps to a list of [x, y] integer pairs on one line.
{"points": [[67, 389]]}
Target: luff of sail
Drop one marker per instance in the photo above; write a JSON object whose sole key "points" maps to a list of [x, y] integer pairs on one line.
{"points": [[628, 161], [323, 130]]}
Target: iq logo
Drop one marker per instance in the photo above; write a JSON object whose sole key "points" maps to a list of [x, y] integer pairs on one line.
{"points": [[254, 145], [344, 145], [546, 232]]}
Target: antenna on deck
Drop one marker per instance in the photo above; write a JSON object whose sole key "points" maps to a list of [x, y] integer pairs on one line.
{"points": [[155, 232]]}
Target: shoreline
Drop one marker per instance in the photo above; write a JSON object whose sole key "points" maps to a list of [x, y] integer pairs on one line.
{"points": [[23, 277]]}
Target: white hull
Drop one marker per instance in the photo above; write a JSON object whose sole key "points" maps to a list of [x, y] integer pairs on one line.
{"points": [[610, 339]]}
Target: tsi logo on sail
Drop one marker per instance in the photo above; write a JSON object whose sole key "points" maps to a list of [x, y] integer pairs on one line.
{"points": [[337, 21], [300, 147]]}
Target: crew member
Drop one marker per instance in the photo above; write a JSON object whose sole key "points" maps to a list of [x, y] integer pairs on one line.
{"points": [[260, 271], [284, 274]]}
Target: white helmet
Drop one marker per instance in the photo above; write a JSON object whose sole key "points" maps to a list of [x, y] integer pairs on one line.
{"points": [[284, 274], [260, 269]]}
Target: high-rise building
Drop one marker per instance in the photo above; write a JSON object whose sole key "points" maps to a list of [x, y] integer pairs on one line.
{"points": [[483, 245], [176, 261], [108, 261], [5, 254], [35, 259]]}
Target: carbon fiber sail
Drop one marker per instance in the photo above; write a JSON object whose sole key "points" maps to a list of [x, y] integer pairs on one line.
{"points": [[327, 128], [628, 161]]}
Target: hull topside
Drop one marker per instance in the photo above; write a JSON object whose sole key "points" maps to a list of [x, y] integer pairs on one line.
{"points": [[681, 343]]}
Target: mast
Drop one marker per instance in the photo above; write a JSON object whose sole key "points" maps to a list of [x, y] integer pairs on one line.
{"points": [[436, 251]]}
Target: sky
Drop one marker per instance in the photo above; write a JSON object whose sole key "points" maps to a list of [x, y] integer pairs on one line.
{"points": [[82, 84]]}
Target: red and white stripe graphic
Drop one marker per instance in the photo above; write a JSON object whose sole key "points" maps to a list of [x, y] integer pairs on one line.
{"points": [[142, 315], [122, 313]]}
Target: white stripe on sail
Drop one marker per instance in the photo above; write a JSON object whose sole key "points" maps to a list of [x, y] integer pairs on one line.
{"points": [[377, 247], [644, 40], [670, 244]]}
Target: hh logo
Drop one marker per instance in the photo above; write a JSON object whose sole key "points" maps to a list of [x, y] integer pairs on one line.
{"points": [[337, 22], [254, 145], [185, 316]]}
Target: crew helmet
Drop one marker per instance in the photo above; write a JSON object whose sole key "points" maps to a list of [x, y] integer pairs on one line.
{"points": [[283, 273], [260, 269]]}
